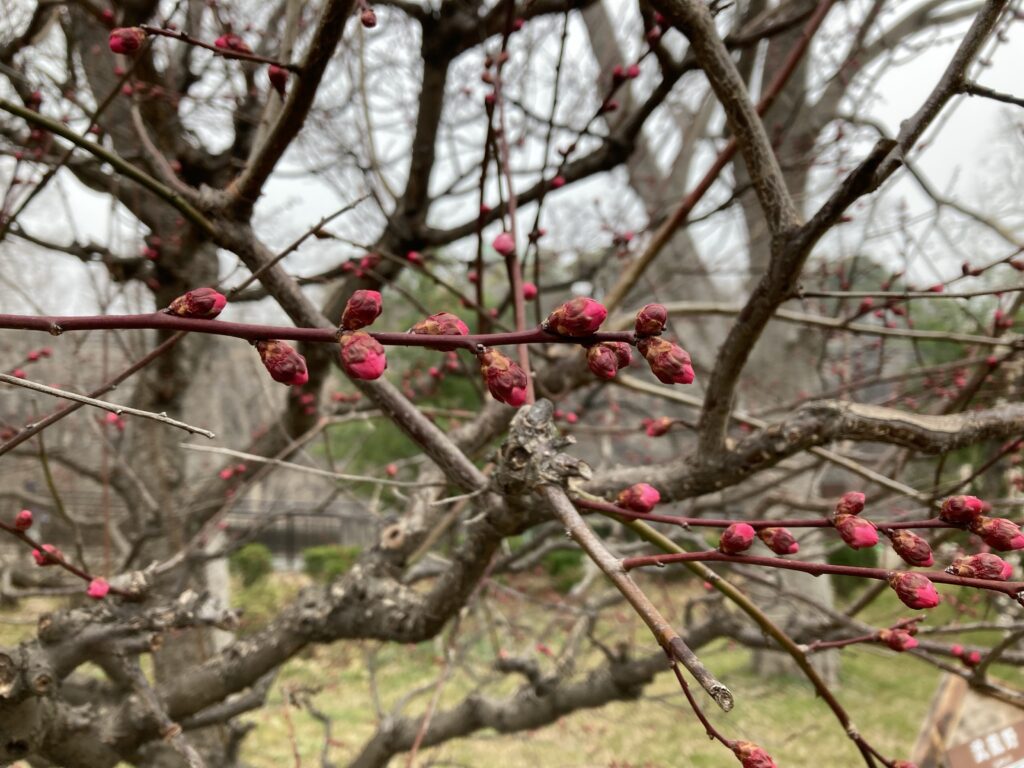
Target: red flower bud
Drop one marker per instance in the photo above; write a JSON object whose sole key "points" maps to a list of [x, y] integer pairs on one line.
{"points": [[98, 589], [779, 540], [638, 498], [23, 520], [47, 555], [752, 756], [529, 291], [898, 639], [669, 362], [278, 77], [361, 309], [368, 18], [971, 659], [362, 356], [981, 566], [736, 538], [504, 244], [633, 71], [284, 364], [961, 510], [658, 427], [912, 548], [857, 532], [126, 40], [505, 380], [577, 317], [603, 361], [200, 303], [441, 324], [851, 503], [998, 532], [914, 589], [651, 319], [233, 43]]}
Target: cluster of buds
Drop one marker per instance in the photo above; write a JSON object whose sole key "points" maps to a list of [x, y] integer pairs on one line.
{"points": [[857, 532], [606, 358], [228, 472], [621, 74], [899, 640], [233, 43], [578, 317], [735, 539], [640, 497], [47, 554], [126, 40], [914, 589], [751, 755], [199, 303], [981, 566], [669, 362], [362, 356], [282, 362], [505, 380], [779, 540], [969, 659]]}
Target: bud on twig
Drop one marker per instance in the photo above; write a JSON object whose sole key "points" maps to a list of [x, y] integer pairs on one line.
{"points": [[47, 555], [851, 503], [998, 532], [857, 532], [912, 548], [961, 510], [577, 317], [669, 362], [232, 42], [200, 303], [981, 566], [361, 309], [23, 520], [282, 362], [638, 498], [899, 640], [441, 324], [126, 40], [602, 361], [752, 756], [914, 589], [650, 320], [362, 356], [98, 588], [736, 538], [505, 380], [779, 540], [278, 77]]}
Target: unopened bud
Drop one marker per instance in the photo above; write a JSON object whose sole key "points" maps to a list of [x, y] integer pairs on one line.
{"points": [[658, 427], [284, 364], [981, 566], [898, 639], [529, 291], [441, 324], [752, 756], [857, 532], [126, 40], [47, 555], [368, 18], [361, 309], [998, 532], [602, 361], [651, 319], [505, 380], [961, 510], [504, 244], [779, 540], [669, 362], [362, 356], [200, 303], [640, 497], [98, 588], [23, 520], [278, 77], [912, 548], [915, 590], [233, 43], [851, 503], [736, 538], [577, 317]]}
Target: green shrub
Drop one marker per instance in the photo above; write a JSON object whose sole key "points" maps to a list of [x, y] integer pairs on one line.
{"points": [[252, 563], [329, 561], [564, 567]]}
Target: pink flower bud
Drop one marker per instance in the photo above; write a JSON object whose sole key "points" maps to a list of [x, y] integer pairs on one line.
{"points": [[658, 427], [998, 532], [851, 503], [47, 555], [126, 40], [898, 639], [23, 520], [504, 244], [414, 257], [284, 364], [961, 510], [638, 498], [857, 532], [200, 303], [577, 317], [602, 361], [981, 566], [505, 380], [98, 588], [651, 319], [278, 77], [633, 71], [914, 589], [233, 43], [361, 309], [226, 474], [669, 362], [912, 548], [971, 659], [752, 756], [441, 324], [529, 291], [368, 18], [362, 356], [779, 540], [736, 538]]}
